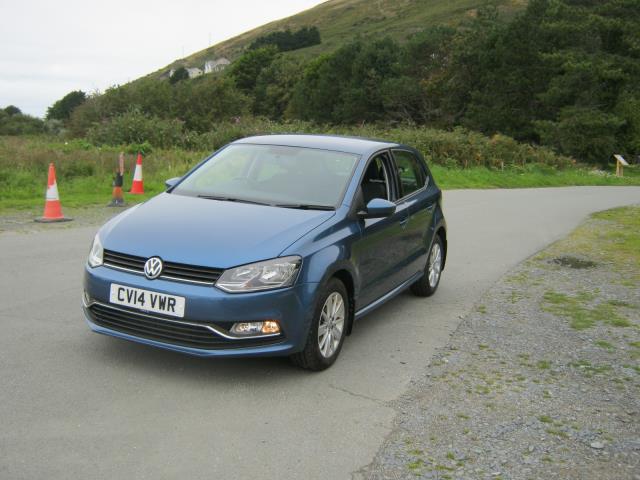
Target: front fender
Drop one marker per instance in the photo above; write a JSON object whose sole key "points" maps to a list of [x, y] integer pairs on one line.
{"points": [[333, 260], [324, 264]]}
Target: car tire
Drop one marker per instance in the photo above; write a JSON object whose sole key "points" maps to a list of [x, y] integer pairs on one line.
{"points": [[428, 283], [330, 318]]}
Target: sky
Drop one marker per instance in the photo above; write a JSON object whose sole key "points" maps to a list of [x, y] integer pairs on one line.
{"points": [[50, 48]]}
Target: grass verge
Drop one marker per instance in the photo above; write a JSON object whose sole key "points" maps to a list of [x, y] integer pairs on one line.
{"points": [[611, 237]]}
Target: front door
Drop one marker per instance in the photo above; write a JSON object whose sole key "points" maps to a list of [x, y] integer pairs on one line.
{"points": [[376, 254]]}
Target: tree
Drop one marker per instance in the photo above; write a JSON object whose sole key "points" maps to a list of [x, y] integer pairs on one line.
{"points": [[346, 86], [274, 87], [63, 108], [286, 40], [246, 69], [12, 110], [207, 100], [178, 75], [556, 74], [587, 133], [416, 90]]}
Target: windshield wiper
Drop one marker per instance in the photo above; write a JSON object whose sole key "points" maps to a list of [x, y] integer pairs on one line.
{"points": [[302, 206], [231, 199]]}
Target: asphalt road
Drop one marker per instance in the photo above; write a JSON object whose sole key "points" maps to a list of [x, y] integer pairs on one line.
{"points": [[74, 404]]}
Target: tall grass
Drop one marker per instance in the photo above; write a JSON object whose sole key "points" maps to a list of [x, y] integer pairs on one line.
{"points": [[85, 172]]}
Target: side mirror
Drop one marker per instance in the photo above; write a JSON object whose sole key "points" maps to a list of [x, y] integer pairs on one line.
{"points": [[171, 182], [378, 208]]}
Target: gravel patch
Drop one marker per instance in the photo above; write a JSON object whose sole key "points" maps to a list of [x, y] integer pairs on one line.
{"points": [[23, 220], [540, 381]]}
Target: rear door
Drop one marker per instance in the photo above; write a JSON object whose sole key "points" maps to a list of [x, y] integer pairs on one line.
{"points": [[418, 197]]}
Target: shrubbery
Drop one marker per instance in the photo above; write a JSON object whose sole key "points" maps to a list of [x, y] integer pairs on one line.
{"points": [[135, 127], [14, 122], [286, 40], [462, 148], [197, 105], [459, 148]]}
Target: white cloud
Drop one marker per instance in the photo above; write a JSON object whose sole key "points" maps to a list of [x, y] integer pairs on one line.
{"points": [[48, 49]]}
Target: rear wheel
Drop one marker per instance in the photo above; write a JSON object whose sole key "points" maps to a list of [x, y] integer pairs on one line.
{"points": [[428, 284], [327, 331]]}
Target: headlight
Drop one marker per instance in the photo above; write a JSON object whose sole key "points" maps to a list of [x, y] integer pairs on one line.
{"points": [[276, 273], [95, 255]]}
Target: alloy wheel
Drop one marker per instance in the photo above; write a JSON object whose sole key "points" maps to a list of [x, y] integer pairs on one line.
{"points": [[331, 325], [435, 264]]}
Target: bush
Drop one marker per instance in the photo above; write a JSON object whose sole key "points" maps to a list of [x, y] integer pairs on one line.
{"points": [[286, 40], [197, 104], [462, 148], [136, 127], [226, 132], [589, 134], [207, 100], [459, 148], [19, 124], [144, 148], [179, 75]]}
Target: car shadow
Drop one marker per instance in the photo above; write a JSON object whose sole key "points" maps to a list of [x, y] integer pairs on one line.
{"points": [[122, 354]]}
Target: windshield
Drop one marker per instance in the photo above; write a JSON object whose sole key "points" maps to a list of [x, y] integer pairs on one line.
{"points": [[273, 175]]}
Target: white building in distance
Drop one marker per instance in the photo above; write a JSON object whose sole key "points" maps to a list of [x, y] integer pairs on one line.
{"points": [[194, 72], [216, 65]]}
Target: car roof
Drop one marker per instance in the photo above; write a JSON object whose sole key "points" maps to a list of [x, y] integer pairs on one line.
{"points": [[356, 145]]}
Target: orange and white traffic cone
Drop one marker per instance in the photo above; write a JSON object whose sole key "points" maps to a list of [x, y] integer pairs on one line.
{"points": [[52, 207], [137, 188]]}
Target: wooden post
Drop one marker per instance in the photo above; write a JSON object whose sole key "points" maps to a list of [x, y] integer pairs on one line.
{"points": [[121, 163], [620, 164]]}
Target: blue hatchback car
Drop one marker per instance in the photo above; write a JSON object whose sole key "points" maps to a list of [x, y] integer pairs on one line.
{"points": [[274, 245]]}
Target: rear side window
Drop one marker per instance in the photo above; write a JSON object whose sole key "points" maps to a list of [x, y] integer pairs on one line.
{"points": [[410, 172]]}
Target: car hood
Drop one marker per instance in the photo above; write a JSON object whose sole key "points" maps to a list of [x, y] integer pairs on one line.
{"points": [[209, 233]]}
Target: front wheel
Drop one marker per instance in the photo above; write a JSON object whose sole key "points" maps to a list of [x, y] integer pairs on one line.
{"points": [[428, 284], [327, 331]]}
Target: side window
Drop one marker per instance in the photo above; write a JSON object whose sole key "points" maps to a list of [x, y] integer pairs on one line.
{"points": [[410, 172], [375, 182]]}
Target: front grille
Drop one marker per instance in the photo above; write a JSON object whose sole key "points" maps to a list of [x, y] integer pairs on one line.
{"points": [[153, 327], [122, 260], [170, 270]]}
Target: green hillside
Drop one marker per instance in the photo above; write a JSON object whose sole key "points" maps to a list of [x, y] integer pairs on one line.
{"points": [[340, 21], [557, 73]]}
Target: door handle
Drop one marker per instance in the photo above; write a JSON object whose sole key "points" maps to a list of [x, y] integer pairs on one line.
{"points": [[403, 223], [431, 207]]}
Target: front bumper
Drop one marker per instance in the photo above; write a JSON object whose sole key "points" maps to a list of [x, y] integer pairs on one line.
{"points": [[209, 314]]}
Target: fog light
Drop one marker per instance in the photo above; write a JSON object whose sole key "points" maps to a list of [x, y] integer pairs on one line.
{"points": [[86, 299], [268, 327], [246, 328]]}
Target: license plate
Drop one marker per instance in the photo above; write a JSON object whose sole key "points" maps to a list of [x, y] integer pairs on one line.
{"points": [[147, 300]]}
